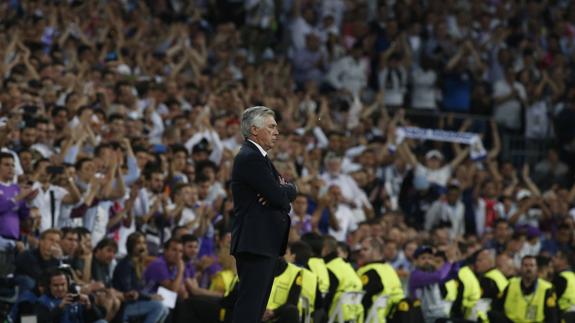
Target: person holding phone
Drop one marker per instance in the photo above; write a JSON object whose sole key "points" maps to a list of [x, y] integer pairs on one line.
{"points": [[61, 303]]}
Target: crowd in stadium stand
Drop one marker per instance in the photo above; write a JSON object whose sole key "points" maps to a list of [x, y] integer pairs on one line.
{"points": [[119, 122]]}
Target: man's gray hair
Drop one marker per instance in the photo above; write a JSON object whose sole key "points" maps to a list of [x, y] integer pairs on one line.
{"points": [[254, 116]]}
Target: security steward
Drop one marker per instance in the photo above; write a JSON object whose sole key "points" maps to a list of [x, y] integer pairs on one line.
{"points": [[564, 283], [342, 278], [491, 280], [298, 253], [528, 298], [316, 264], [379, 279]]}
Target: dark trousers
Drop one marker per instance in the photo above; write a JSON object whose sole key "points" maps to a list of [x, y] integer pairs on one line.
{"points": [[256, 275], [205, 309]]}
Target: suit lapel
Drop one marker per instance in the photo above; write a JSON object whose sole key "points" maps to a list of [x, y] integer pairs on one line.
{"points": [[268, 161]]}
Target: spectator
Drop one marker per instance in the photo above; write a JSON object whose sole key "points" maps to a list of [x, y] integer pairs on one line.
{"points": [[60, 304], [447, 213], [301, 220], [31, 265], [13, 208]]}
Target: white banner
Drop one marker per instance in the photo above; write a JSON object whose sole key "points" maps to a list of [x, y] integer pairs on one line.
{"points": [[476, 149]]}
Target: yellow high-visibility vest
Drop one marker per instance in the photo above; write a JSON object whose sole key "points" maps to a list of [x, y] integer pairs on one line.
{"points": [[518, 307], [348, 282], [391, 285]]}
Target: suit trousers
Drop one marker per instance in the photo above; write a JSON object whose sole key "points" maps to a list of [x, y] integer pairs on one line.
{"points": [[256, 275]]}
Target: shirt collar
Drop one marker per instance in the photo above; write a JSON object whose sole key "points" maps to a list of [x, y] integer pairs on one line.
{"points": [[264, 153]]}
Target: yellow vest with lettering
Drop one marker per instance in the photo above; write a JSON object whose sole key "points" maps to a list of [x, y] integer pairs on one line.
{"points": [[391, 285], [282, 285], [516, 304], [471, 291], [318, 267], [348, 282], [308, 288], [567, 300], [500, 280]]}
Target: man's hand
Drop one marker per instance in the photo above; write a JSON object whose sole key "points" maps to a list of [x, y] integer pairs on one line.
{"points": [[131, 295], [156, 297], [85, 300], [181, 265], [268, 315]]}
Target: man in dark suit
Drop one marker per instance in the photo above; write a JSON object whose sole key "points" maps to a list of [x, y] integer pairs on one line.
{"points": [[261, 206]]}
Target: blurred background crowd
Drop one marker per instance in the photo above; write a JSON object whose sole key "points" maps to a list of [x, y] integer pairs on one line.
{"points": [[119, 121]]}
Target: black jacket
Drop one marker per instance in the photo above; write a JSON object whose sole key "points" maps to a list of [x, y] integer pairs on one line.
{"points": [[259, 229]]}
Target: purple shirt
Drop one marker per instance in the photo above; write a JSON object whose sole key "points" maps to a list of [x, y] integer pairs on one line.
{"points": [[420, 278], [158, 271], [11, 212]]}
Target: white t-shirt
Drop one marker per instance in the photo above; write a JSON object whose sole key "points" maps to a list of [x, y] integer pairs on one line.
{"points": [[42, 201], [438, 176]]}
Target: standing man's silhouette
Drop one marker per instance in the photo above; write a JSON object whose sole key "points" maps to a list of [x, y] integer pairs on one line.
{"points": [[261, 208]]}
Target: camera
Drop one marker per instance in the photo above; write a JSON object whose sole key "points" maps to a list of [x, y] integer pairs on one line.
{"points": [[75, 298]]}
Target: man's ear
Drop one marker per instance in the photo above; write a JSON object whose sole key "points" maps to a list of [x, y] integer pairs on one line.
{"points": [[253, 130]]}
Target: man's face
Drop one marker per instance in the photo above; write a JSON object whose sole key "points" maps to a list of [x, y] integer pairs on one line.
{"points": [[60, 119], [7, 169], [106, 255], [390, 251], [335, 194], [70, 243], [118, 127], [87, 170], [28, 137], [204, 189], [333, 166], [452, 196], [484, 261], [140, 248], [42, 132], [189, 195], [267, 135], [48, 244], [179, 160], [156, 183], [425, 262], [59, 286], [501, 231], [300, 205], [366, 251], [191, 249], [174, 253], [529, 268]]}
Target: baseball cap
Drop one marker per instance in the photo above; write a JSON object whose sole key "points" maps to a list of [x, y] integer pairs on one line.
{"points": [[434, 153], [422, 250]]}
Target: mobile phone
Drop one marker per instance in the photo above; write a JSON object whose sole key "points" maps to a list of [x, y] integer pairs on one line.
{"points": [[75, 298], [55, 170]]}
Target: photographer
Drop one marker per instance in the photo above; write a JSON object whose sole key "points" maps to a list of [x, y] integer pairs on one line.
{"points": [[60, 303]]}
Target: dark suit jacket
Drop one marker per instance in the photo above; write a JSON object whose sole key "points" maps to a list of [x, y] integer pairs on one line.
{"points": [[259, 229]]}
